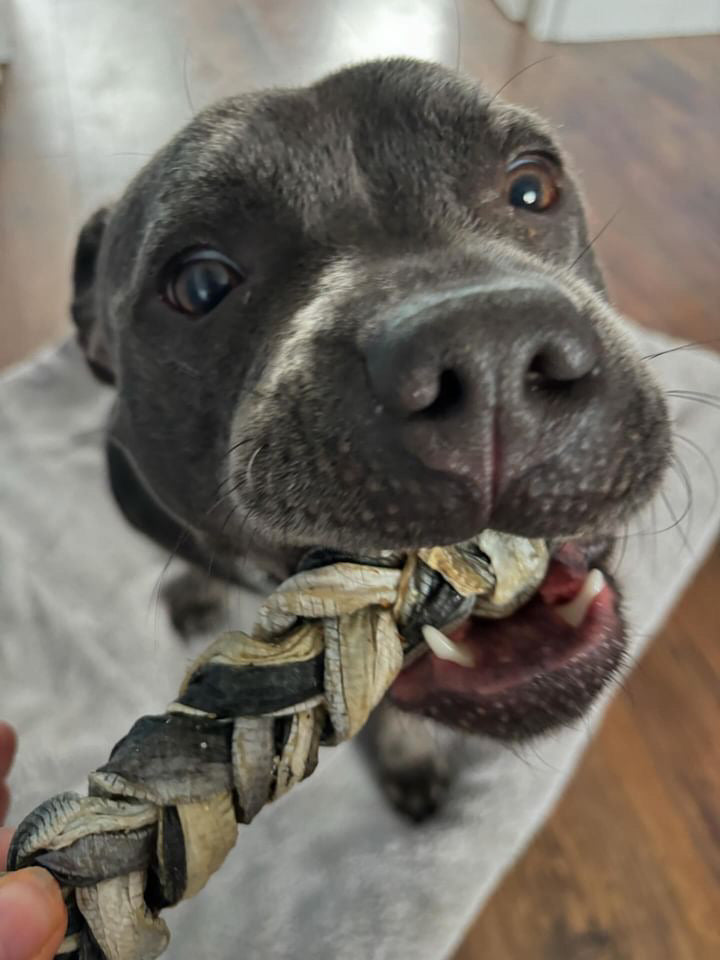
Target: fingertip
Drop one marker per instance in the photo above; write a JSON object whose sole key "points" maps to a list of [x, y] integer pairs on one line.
{"points": [[6, 729], [8, 746], [33, 917], [4, 801], [5, 838]]}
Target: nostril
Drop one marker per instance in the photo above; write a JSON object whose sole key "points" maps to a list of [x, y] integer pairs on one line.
{"points": [[536, 370], [539, 377], [450, 394], [559, 370]]}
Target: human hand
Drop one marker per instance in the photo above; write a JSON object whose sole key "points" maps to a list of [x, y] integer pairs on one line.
{"points": [[32, 913]]}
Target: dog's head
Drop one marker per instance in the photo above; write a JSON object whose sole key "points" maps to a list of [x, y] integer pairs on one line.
{"points": [[365, 315]]}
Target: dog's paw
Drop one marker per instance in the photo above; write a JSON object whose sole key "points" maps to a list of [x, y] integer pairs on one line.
{"points": [[414, 759], [196, 603], [417, 792], [191, 620]]}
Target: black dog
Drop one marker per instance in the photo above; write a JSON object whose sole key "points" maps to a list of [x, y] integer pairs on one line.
{"points": [[364, 315]]}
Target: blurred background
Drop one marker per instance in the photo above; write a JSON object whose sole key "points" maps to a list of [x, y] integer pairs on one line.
{"points": [[628, 868]]}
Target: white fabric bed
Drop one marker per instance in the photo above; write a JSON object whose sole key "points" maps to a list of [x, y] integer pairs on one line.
{"points": [[329, 872]]}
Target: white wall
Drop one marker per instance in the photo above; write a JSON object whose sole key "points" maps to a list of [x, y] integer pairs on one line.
{"points": [[4, 31], [514, 9], [585, 20]]}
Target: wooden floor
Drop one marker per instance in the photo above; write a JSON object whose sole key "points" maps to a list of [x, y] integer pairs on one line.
{"points": [[629, 866]]}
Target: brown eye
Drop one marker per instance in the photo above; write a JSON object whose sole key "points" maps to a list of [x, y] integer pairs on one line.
{"points": [[196, 282], [531, 183]]}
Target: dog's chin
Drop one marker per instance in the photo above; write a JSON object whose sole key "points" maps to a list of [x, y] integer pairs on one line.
{"points": [[540, 668]]}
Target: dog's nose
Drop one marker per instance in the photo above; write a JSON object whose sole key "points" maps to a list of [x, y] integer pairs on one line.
{"points": [[495, 362]]}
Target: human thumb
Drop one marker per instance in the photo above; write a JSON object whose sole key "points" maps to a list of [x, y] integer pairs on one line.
{"points": [[33, 918]]}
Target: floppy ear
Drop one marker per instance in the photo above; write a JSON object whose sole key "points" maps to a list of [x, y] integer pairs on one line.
{"points": [[90, 333]]}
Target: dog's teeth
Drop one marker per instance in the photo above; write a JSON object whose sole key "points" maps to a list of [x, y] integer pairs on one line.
{"points": [[574, 612], [444, 648]]}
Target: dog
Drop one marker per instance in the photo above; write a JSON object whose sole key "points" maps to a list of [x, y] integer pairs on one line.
{"points": [[363, 315]]}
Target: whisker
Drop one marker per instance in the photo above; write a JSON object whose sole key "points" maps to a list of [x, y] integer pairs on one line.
{"points": [[709, 464], [251, 464], [653, 518], [236, 446], [129, 153], [683, 346], [681, 471], [622, 678], [233, 509], [228, 479], [241, 533], [708, 399], [518, 755], [154, 601], [518, 74], [223, 496], [656, 533], [623, 551], [626, 691], [531, 746], [186, 84], [696, 393], [222, 483], [677, 522], [238, 482], [597, 236]]}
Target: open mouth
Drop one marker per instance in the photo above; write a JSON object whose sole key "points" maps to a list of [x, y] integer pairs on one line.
{"points": [[538, 667]]}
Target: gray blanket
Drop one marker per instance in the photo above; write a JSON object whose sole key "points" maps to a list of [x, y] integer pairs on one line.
{"points": [[328, 872]]}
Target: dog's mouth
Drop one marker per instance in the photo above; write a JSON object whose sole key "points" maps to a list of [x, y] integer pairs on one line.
{"points": [[518, 675]]}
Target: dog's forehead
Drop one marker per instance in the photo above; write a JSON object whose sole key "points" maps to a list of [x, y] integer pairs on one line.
{"points": [[373, 140]]}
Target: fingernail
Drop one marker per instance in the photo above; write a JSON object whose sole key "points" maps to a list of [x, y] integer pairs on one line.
{"points": [[31, 913]]}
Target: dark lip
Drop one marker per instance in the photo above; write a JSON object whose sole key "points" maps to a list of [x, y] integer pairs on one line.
{"points": [[542, 704], [583, 640], [596, 551], [567, 682]]}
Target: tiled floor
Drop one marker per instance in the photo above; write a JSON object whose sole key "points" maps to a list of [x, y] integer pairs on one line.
{"points": [[629, 867]]}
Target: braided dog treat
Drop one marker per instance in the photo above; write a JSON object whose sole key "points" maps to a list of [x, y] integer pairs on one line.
{"points": [[161, 815]]}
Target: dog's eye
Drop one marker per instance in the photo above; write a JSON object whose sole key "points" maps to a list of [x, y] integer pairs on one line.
{"points": [[196, 282], [531, 183]]}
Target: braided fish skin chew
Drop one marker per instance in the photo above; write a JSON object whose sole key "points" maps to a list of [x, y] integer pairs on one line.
{"points": [[161, 815]]}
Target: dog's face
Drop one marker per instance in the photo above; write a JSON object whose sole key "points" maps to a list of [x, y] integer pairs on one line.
{"points": [[364, 315]]}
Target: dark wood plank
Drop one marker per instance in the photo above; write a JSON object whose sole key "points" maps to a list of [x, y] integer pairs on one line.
{"points": [[628, 867]]}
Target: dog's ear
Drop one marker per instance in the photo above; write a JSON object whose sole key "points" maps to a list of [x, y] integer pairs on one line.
{"points": [[90, 329]]}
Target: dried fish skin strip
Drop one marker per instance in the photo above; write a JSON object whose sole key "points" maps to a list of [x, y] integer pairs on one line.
{"points": [[519, 565], [68, 817], [252, 764], [116, 912], [99, 856], [174, 758], [161, 815]]}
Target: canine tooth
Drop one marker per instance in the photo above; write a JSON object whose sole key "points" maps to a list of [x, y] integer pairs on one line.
{"points": [[444, 648], [574, 612]]}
